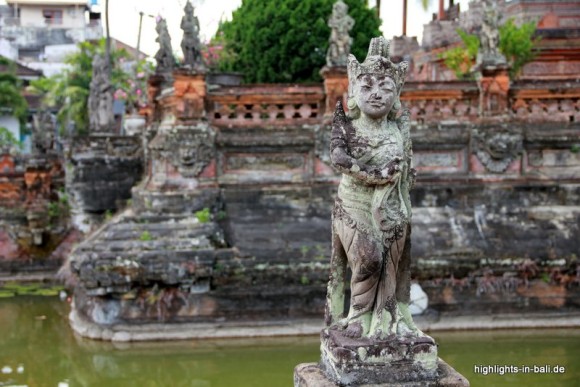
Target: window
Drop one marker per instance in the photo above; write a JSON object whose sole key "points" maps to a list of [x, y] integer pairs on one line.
{"points": [[52, 16]]}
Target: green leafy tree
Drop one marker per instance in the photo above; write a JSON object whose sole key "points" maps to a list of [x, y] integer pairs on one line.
{"points": [[69, 90], [517, 44], [287, 40], [11, 100]]}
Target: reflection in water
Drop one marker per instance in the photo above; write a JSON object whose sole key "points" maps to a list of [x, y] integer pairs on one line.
{"points": [[39, 349]]}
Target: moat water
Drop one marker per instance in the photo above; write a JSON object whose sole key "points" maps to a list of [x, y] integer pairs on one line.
{"points": [[37, 348]]}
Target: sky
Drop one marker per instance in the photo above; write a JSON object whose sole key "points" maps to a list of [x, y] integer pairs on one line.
{"points": [[124, 15]]}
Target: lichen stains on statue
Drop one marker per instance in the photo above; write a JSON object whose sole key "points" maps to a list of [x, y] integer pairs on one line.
{"points": [[371, 227]]}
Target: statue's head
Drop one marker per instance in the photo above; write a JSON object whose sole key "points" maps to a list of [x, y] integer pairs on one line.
{"points": [[375, 85], [340, 8], [188, 8]]}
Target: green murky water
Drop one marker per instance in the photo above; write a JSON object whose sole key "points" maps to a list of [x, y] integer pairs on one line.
{"points": [[37, 348]]}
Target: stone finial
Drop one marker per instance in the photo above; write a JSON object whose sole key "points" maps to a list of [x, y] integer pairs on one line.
{"points": [[190, 44], [101, 97], [164, 56], [340, 24]]}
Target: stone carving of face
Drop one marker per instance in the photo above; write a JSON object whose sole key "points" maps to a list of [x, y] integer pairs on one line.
{"points": [[375, 95]]}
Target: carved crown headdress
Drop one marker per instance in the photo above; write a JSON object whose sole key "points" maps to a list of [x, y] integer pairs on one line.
{"points": [[378, 62]]}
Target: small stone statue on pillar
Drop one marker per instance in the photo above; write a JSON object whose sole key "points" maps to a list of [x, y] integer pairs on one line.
{"points": [[340, 24], [100, 102], [43, 128], [489, 54], [375, 341], [491, 67], [190, 44], [164, 56]]}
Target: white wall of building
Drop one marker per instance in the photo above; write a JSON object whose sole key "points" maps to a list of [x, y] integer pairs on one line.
{"points": [[12, 124], [59, 52], [48, 69], [32, 16], [8, 50]]}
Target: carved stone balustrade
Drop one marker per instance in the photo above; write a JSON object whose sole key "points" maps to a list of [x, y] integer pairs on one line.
{"points": [[266, 105], [441, 102], [546, 101]]}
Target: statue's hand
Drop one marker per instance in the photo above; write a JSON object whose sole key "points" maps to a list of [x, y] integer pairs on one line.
{"points": [[342, 323], [391, 169], [376, 176]]}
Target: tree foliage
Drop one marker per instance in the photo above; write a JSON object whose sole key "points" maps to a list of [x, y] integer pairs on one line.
{"points": [[287, 40], [7, 139], [68, 91], [11, 100]]}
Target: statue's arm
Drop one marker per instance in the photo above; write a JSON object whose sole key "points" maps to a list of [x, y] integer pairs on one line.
{"points": [[404, 124], [340, 157]]}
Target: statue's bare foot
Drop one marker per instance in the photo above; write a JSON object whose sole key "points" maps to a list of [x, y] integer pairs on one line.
{"points": [[354, 330]]}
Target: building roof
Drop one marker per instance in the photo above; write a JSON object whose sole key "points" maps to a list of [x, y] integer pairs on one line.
{"points": [[22, 72], [130, 49], [47, 2]]}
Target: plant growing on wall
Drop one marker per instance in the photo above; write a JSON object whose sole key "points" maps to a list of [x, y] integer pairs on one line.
{"points": [[515, 43], [462, 58]]}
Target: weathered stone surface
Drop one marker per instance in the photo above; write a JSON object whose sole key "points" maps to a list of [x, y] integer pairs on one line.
{"points": [[35, 234], [394, 359], [311, 375], [103, 171], [268, 186]]}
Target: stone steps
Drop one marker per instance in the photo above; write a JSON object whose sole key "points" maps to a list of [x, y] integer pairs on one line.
{"points": [[130, 251]]}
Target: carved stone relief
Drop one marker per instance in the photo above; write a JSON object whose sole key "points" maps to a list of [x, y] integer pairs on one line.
{"points": [[496, 151]]}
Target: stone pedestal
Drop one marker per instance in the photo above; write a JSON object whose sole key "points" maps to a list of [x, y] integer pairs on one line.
{"points": [[393, 359], [312, 375], [335, 87]]}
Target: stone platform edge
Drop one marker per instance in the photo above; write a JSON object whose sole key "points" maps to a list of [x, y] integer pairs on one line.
{"points": [[311, 375], [300, 327]]}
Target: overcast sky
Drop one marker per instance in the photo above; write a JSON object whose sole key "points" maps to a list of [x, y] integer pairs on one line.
{"points": [[124, 16]]}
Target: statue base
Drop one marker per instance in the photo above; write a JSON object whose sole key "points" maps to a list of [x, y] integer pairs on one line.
{"points": [[394, 359], [312, 375]]}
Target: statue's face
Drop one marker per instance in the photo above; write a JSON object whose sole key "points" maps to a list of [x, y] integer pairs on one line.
{"points": [[375, 95]]}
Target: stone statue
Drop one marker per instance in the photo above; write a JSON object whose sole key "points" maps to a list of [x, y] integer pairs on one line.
{"points": [[371, 232], [190, 43], [489, 54], [340, 24], [100, 102], [164, 56], [42, 132]]}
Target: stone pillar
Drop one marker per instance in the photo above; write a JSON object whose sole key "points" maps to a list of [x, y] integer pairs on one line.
{"points": [[189, 95], [494, 86], [335, 88]]}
